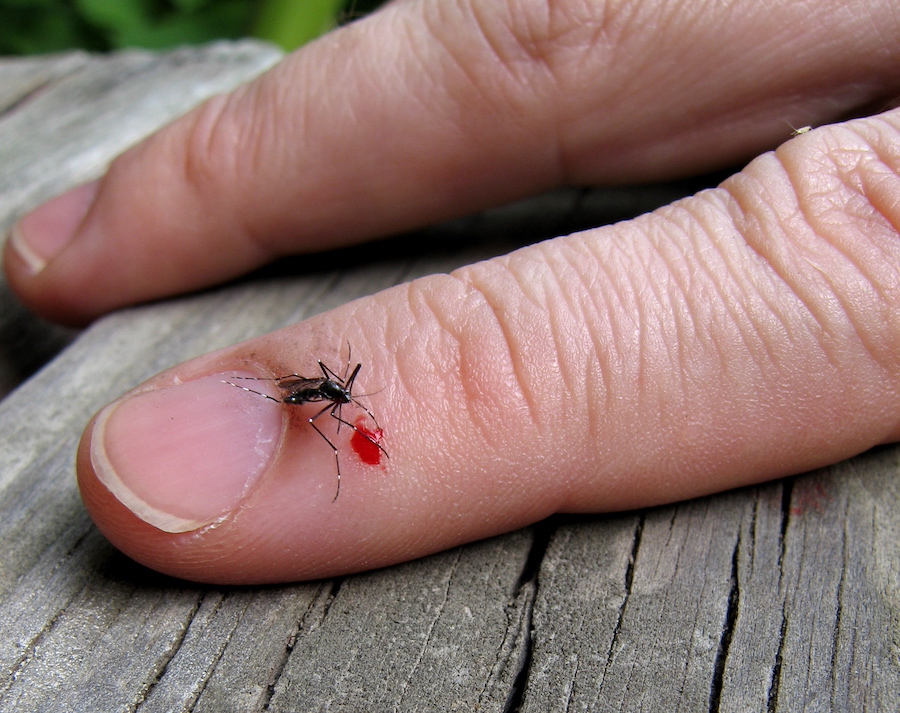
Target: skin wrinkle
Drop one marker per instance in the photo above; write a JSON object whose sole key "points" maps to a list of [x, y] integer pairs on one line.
{"points": [[676, 296], [757, 224], [598, 391], [658, 335], [713, 284], [610, 351], [536, 37], [211, 129], [885, 201], [560, 319], [725, 283], [597, 384], [574, 136], [761, 351], [531, 69], [491, 85], [543, 270], [812, 308], [482, 387], [516, 44], [592, 396], [217, 134], [656, 316], [599, 380], [214, 133], [609, 22], [640, 345], [847, 196], [421, 46], [737, 300], [418, 298], [555, 257], [772, 296], [566, 308], [887, 155], [257, 110], [525, 394], [624, 320], [456, 60]]}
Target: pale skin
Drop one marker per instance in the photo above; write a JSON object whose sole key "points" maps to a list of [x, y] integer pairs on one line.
{"points": [[743, 334]]}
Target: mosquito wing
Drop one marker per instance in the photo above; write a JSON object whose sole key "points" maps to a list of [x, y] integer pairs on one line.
{"points": [[298, 389]]}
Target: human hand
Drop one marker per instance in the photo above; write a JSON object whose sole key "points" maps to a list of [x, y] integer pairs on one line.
{"points": [[743, 334]]}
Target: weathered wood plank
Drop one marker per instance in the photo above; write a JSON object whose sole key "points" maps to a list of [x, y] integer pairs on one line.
{"points": [[841, 595], [81, 113], [789, 601], [650, 597], [779, 598], [21, 77], [448, 633]]}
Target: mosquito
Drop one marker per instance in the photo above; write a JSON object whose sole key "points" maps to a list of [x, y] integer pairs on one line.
{"points": [[337, 390]]}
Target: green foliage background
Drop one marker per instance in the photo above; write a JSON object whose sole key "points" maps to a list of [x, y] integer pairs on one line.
{"points": [[39, 26]]}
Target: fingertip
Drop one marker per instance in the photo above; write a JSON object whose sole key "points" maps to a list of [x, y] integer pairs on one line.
{"points": [[168, 462], [39, 236], [35, 243]]}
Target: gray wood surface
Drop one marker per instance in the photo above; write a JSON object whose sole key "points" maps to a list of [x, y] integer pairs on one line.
{"points": [[784, 597]]}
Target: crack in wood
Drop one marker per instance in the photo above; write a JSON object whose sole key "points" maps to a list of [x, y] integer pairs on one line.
{"points": [[787, 493], [528, 583], [213, 661], [543, 532], [626, 596], [429, 632], [734, 600], [839, 606], [516, 647], [331, 595], [171, 652], [28, 650], [22, 661], [328, 591], [570, 694], [772, 698], [775, 683]]}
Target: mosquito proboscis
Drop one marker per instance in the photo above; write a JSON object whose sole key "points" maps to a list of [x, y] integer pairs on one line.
{"points": [[337, 390]]}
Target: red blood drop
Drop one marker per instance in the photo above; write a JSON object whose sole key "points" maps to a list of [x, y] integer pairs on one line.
{"points": [[367, 451]]}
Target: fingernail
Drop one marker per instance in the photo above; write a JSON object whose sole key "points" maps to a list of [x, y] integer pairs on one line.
{"points": [[44, 232], [185, 456]]}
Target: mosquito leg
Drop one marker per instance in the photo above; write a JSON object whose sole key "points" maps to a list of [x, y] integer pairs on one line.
{"points": [[362, 433], [337, 461], [266, 378], [326, 372], [333, 376], [252, 391], [368, 413]]}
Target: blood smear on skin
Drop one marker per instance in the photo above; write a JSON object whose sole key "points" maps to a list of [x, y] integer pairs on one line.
{"points": [[367, 451]]}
